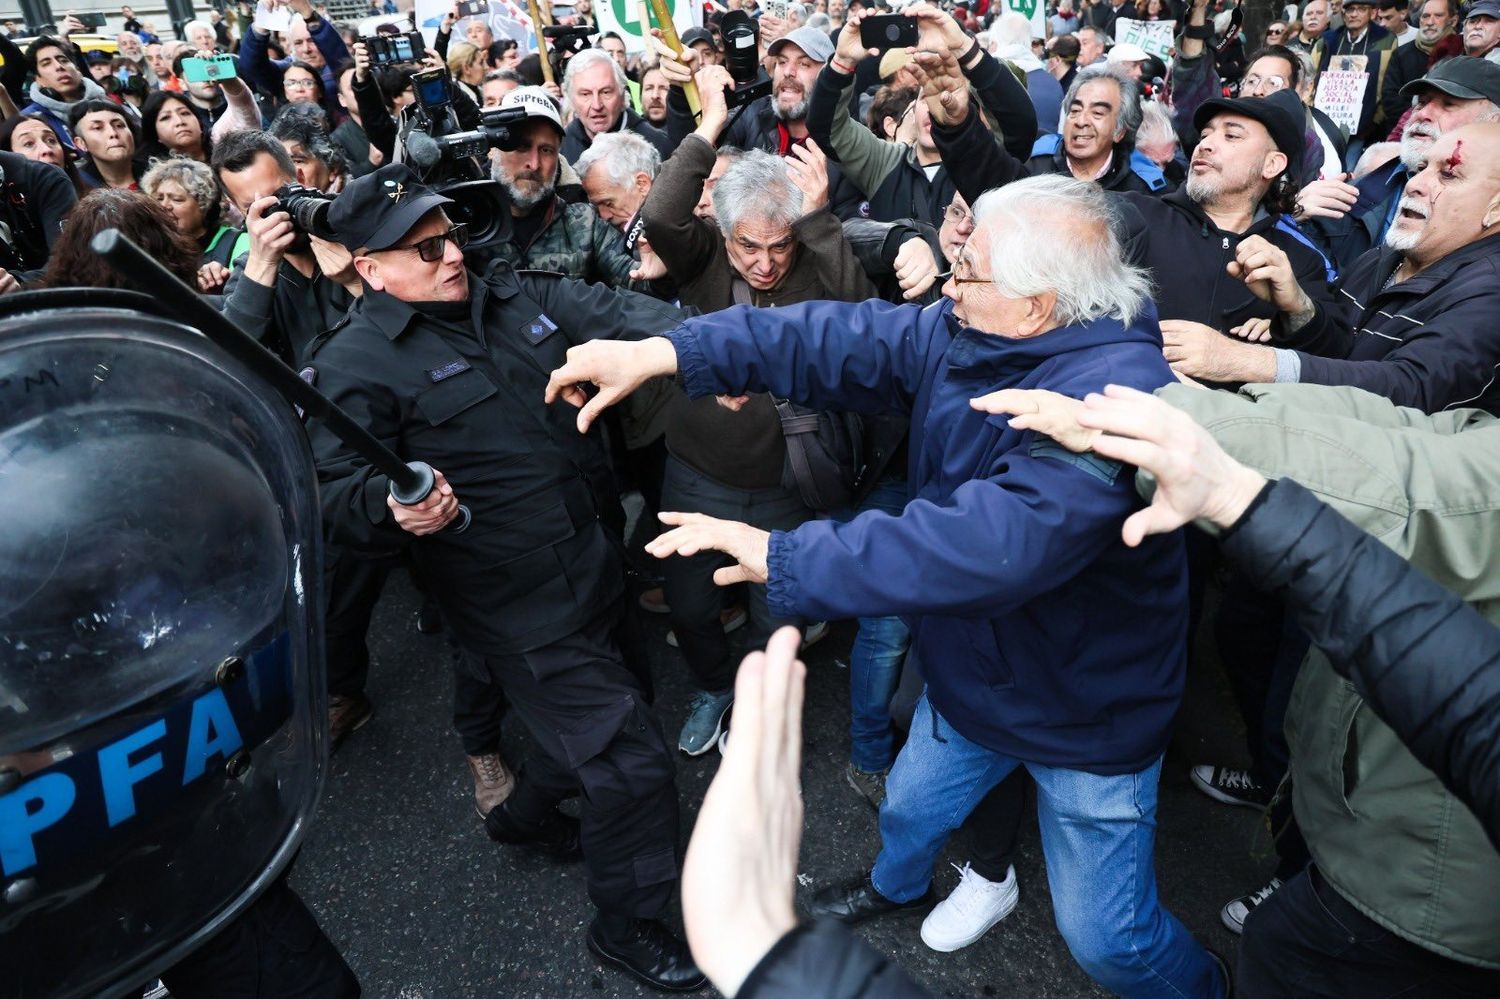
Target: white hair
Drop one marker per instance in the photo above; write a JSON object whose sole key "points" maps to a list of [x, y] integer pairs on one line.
{"points": [[187, 29], [756, 185], [1012, 28], [622, 155], [820, 22], [587, 59], [1080, 258], [1156, 125]]}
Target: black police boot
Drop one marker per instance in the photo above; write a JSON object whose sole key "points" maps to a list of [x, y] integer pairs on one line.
{"points": [[856, 900], [557, 836], [647, 951]]}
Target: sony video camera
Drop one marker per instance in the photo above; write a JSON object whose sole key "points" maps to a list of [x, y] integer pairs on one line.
{"points": [[742, 58]]}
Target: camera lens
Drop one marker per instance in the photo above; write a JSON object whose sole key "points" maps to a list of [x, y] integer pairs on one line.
{"points": [[892, 33]]}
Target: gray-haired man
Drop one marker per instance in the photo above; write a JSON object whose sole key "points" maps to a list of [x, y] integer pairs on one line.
{"points": [[775, 243]]}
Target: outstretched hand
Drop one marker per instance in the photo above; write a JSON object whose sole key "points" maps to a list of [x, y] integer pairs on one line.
{"points": [[1049, 413], [616, 367], [1195, 478], [944, 86], [696, 533], [741, 869]]}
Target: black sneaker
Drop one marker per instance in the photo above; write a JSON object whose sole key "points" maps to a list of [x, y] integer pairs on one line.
{"points": [[650, 953], [1233, 914], [857, 900], [1232, 787], [557, 837]]}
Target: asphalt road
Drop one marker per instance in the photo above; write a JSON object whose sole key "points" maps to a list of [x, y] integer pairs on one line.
{"points": [[423, 905]]}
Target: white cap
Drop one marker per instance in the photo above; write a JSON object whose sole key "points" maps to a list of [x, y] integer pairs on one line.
{"points": [[536, 102], [1127, 52]]}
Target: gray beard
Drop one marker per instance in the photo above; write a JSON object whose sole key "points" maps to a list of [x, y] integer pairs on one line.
{"points": [[796, 112], [526, 202], [1401, 239], [1202, 189]]}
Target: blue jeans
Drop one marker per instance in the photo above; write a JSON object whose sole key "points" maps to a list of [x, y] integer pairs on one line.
{"points": [[1097, 836], [875, 659]]}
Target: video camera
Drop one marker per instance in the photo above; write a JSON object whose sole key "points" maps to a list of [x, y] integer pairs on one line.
{"points": [[742, 59], [454, 162], [564, 41]]}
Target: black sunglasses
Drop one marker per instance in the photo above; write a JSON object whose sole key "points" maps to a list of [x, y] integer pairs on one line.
{"points": [[431, 249]]}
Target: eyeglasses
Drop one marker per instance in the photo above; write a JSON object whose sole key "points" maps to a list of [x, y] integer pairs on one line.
{"points": [[955, 215], [431, 249], [1272, 83], [299, 84]]}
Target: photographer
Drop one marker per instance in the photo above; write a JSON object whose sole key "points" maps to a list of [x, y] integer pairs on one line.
{"points": [[897, 177], [223, 105], [292, 285], [547, 232]]}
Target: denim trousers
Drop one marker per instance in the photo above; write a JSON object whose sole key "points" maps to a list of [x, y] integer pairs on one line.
{"points": [[1098, 834], [875, 658]]}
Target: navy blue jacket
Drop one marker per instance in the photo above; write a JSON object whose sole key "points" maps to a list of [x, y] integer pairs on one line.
{"points": [[1041, 635]]}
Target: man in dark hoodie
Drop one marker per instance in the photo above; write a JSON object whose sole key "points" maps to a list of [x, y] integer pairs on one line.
{"points": [[1012, 538]]}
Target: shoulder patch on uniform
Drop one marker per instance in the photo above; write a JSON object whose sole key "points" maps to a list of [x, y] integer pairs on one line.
{"points": [[1103, 469], [448, 370], [538, 329]]}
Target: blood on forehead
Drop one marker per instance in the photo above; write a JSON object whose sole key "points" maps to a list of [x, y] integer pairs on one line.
{"points": [[1456, 157]]}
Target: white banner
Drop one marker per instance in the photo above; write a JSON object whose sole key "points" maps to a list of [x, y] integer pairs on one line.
{"points": [[1153, 36], [506, 20], [623, 17]]}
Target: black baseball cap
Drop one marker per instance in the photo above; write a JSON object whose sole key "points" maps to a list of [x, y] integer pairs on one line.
{"points": [[1464, 77], [380, 208], [692, 35], [1281, 113]]}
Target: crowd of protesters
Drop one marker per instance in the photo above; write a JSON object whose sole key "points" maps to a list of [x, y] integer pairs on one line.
{"points": [[881, 346]]}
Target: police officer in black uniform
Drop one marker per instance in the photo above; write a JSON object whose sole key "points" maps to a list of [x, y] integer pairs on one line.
{"points": [[449, 367]]}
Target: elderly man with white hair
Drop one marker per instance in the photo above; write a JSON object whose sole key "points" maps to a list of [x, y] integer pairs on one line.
{"points": [[1052, 645], [598, 93], [617, 172]]}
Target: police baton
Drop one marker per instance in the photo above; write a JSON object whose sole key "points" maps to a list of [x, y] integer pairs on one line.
{"points": [[410, 481]]}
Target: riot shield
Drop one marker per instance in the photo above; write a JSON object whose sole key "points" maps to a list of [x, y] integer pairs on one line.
{"points": [[162, 705]]}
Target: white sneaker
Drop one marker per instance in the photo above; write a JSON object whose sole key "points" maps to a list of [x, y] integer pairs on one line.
{"points": [[1233, 914], [972, 908]]}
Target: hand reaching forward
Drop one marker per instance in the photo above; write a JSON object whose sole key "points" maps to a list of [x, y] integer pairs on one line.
{"points": [[698, 533], [616, 367], [1195, 478], [1049, 413]]}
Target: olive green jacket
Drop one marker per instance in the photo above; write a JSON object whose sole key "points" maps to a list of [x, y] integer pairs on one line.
{"points": [[1381, 827]]}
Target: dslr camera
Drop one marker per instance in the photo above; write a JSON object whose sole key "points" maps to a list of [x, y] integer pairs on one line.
{"points": [[308, 209], [386, 50], [742, 59]]}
